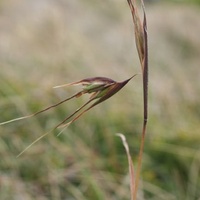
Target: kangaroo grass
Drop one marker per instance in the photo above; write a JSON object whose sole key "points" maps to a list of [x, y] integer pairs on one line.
{"points": [[100, 88]]}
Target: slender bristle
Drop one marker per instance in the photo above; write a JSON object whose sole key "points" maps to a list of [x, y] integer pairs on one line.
{"points": [[16, 119], [33, 143], [68, 84], [64, 126], [64, 85]]}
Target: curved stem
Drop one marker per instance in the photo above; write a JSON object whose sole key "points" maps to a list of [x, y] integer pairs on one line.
{"points": [[137, 178]]}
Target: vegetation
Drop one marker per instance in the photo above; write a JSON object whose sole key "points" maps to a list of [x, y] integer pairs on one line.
{"points": [[44, 44]]}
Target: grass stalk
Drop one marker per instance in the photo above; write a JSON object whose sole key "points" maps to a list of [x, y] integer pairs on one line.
{"points": [[141, 39]]}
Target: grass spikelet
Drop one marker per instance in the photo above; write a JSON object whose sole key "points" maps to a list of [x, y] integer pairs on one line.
{"points": [[99, 88]]}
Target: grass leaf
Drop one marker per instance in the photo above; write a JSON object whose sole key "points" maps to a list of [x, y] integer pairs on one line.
{"points": [[130, 164]]}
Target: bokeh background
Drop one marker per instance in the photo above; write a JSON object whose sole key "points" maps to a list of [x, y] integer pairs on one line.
{"points": [[44, 43]]}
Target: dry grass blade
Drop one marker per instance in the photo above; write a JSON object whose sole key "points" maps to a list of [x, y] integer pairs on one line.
{"points": [[130, 164]]}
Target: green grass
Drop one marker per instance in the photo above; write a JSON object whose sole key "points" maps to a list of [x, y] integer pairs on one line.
{"points": [[74, 40]]}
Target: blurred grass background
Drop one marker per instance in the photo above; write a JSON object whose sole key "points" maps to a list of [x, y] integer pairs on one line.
{"points": [[47, 43]]}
